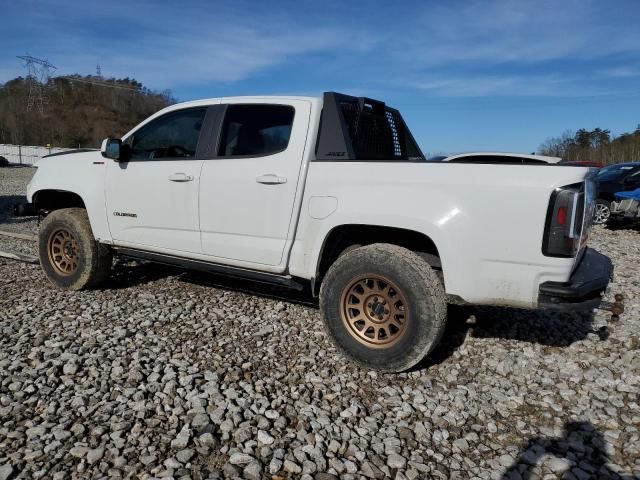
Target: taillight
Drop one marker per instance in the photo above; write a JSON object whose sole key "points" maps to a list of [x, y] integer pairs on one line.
{"points": [[564, 226], [562, 216]]}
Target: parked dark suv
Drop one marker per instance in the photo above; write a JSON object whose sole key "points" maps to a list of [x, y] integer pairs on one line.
{"points": [[614, 178]]}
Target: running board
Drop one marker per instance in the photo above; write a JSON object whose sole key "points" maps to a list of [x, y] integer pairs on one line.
{"points": [[189, 264]]}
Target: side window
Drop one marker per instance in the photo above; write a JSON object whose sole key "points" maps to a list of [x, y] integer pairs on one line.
{"points": [[634, 178], [255, 130], [174, 135]]}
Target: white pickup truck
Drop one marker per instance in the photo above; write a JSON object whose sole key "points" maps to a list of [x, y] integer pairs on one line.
{"points": [[331, 194]]}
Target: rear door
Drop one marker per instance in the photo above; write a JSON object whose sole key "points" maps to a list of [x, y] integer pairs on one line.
{"points": [[248, 190], [152, 199]]}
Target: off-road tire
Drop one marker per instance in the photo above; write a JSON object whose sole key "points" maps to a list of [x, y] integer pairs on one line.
{"points": [[419, 286], [93, 260]]}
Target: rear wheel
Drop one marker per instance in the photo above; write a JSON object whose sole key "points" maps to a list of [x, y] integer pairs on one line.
{"points": [[383, 306], [69, 254], [602, 212]]}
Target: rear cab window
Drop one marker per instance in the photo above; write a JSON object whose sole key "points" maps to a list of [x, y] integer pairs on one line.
{"points": [[255, 130]]}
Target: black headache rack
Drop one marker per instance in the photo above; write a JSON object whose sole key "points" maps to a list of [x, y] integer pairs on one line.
{"points": [[363, 129]]}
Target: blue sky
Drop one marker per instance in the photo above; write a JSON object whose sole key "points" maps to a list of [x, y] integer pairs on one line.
{"points": [[467, 75]]}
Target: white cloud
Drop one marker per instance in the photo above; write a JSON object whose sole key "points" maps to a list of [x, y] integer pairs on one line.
{"points": [[517, 31], [550, 85], [167, 44], [471, 48], [624, 71]]}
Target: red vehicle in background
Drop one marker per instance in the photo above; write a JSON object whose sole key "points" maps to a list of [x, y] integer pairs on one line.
{"points": [[580, 163]]}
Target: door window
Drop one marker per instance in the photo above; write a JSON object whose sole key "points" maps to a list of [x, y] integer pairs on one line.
{"points": [[634, 178], [174, 135], [255, 130]]}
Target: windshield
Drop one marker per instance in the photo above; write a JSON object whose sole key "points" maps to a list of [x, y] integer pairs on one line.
{"points": [[613, 172]]}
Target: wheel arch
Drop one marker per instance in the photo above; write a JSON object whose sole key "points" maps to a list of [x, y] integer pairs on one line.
{"points": [[49, 200], [342, 238]]}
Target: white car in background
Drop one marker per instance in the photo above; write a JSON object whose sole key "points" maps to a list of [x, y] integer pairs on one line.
{"points": [[496, 157]]}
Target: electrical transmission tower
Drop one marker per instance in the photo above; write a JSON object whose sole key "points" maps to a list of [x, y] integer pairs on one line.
{"points": [[38, 71]]}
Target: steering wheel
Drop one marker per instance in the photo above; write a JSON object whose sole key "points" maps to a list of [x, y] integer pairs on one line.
{"points": [[177, 151]]}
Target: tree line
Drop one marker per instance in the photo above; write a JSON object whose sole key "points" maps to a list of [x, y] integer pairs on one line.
{"points": [[80, 111], [595, 145]]}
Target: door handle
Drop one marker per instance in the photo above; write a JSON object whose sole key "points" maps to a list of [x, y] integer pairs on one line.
{"points": [[180, 177], [271, 179]]}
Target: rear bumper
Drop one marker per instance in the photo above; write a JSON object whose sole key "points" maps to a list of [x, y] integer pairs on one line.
{"points": [[584, 289]]}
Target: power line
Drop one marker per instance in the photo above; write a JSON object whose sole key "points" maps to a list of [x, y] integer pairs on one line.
{"points": [[98, 83], [38, 73]]}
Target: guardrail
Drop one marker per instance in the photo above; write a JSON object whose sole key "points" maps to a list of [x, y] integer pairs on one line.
{"points": [[27, 154]]}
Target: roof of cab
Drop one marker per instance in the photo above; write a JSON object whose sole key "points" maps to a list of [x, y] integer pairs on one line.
{"points": [[239, 99]]}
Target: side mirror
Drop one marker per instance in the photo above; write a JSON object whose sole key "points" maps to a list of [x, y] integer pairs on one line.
{"points": [[112, 148]]}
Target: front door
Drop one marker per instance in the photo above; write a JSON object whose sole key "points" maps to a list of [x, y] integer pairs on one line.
{"points": [[152, 199], [247, 192]]}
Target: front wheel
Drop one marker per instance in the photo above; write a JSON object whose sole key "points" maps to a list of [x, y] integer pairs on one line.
{"points": [[70, 256], [383, 306], [602, 212]]}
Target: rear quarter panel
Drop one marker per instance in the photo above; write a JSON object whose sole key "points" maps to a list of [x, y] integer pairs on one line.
{"points": [[487, 221]]}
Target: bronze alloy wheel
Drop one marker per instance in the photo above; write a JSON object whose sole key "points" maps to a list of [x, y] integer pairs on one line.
{"points": [[63, 250], [374, 311]]}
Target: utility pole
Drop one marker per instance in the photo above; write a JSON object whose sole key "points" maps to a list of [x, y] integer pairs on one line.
{"points": [[38, 72]]}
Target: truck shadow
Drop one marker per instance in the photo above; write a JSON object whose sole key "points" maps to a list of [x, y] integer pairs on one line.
{"points": [[633, 225], [6, 210], [129, 273], [581, 446], [544, 327], [551, 328]]}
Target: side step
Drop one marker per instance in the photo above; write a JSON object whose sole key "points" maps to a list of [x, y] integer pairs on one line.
{"points": [[189, 264]]}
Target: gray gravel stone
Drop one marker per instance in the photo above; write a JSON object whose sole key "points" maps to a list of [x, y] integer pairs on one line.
{"points": [[6, 471], [95, 455], [292, 467], [240, 459], [253, 471], [182, 439], [274, 466], [265, 438], [396, 461], [183, 456]]}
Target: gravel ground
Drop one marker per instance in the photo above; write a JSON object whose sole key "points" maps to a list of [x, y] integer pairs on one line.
{"points": [[163, 373]]}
